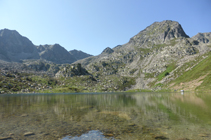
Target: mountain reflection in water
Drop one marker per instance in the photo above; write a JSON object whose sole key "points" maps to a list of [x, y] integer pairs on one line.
{"points": [[118, 116]]}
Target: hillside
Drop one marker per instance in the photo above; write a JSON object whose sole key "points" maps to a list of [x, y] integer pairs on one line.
{"points": [[151, 56], [161, 57]]}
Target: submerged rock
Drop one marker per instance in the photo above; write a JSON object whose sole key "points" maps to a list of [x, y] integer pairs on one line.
{"points": [[28, 134]]}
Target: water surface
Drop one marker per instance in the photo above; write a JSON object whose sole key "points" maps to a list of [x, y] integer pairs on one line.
{"points": [[106, 116]]}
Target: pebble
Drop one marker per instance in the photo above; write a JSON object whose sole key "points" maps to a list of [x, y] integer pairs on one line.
{"points": [[28, 134]]}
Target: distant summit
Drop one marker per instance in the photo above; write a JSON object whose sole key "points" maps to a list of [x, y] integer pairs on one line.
{"points": [[55, 53], [79, 54], [14, 47], [107, 50]]}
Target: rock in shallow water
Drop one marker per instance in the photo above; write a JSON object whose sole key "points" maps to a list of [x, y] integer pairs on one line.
{"points": [[28, 134]]}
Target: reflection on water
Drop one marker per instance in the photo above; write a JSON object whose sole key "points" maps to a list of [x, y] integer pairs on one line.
{"points": [[91, 135], [117, 116]]}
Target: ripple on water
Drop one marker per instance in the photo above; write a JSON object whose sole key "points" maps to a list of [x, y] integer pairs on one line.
{"points": [[91, 135]]}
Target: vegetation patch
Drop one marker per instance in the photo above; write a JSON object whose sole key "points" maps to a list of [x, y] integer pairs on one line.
{"points": [[169, 68], [199, 70]]}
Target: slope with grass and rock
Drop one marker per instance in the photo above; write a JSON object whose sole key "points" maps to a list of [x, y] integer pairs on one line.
{"points": [[154, 57], [161, 57]]}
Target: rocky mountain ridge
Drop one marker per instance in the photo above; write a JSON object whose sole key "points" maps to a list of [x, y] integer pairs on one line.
{"points": [[154, 59], [152, 52], [16, 48], [55, 53]]}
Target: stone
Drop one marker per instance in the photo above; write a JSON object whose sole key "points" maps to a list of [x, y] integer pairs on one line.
{"points": [[28, 134]]}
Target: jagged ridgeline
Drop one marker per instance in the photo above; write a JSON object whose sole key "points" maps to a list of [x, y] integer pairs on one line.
{"points": [[154, 57], [160, 57]]}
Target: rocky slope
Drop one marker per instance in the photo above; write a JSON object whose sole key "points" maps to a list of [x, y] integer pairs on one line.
{"points": [[151, 56], [160, 57]]}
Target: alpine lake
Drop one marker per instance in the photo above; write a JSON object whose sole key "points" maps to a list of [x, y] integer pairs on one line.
{"points": [[105, 116]]}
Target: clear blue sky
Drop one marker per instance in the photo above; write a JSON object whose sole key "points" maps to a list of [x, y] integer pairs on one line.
{"points": [[93, 25]]}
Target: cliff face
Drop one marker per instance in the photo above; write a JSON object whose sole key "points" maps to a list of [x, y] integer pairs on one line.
{"points": [[14, 47]]}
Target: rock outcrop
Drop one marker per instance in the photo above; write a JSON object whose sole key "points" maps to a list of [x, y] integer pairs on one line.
{"points": [[72, 70], [202, 38]]}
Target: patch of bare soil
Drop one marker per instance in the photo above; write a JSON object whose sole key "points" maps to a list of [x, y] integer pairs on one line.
{"points": [[188, 86]]}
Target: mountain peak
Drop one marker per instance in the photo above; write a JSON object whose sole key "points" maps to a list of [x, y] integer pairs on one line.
{"points": [[6, 32], [159, 32], [79, 54], [15, 47], [108, 50]]}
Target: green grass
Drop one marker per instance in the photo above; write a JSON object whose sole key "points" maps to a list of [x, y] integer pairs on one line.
{"points": [[169, 68], [62, 90], [199, 70], [44, 80], [139, 90]]}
